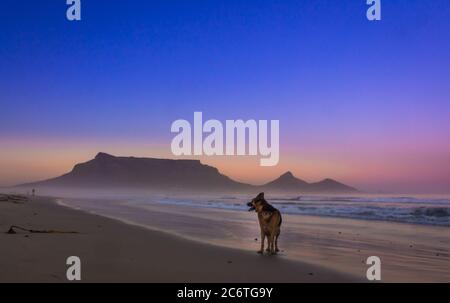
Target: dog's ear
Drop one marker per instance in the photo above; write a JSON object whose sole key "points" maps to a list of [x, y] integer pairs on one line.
{"points": [[260, 196]]}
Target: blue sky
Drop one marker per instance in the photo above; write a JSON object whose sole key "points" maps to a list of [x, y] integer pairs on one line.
{"points": [[331, 77]]}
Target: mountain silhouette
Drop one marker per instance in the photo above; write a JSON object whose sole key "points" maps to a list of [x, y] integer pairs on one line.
{"points": [[108, 171], [289, 183], [330, 185]]}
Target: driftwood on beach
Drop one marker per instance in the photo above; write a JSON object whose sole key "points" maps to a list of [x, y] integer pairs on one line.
{"points": [[13, 198], [35, 231]]}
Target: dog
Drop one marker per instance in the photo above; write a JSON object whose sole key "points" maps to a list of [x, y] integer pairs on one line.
{"points": [[269, 221]]}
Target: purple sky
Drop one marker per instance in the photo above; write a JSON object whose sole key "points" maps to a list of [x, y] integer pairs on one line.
{"points": [[367, 103]]}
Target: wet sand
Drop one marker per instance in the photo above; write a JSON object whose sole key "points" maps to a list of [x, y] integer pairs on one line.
{"points": [[112, 251]]}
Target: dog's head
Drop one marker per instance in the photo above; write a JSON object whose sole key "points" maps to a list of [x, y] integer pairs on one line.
{"points": [[256, 203]]}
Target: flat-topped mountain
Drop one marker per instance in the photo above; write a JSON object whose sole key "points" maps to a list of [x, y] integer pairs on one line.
{"points": [[108, 171]]}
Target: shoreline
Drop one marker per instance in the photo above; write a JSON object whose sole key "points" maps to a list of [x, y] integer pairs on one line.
{"points": [[114, 251]]}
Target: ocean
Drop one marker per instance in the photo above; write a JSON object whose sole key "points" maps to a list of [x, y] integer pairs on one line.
{"points": [[404, 209]]}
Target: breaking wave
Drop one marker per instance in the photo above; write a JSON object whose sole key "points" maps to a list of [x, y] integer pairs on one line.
{"points": [[415, 210]]}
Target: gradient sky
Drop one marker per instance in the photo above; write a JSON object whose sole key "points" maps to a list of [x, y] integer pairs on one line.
{"points": [[367, 103]]}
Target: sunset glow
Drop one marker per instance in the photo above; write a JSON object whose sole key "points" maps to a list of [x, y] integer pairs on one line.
{"points": [[361, 103]]}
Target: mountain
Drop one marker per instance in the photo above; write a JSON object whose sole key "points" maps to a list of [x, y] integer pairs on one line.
{"points": [[289, 183], [330, 185], [286, 181], [107, 171]]}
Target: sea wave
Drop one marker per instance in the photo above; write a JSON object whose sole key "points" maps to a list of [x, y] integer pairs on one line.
{"points": [[414, 210]]}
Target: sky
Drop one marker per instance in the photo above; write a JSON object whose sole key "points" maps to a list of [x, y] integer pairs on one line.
{"points": [[366, 103]]}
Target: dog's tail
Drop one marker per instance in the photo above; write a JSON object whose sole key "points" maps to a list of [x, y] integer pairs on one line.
{"points": [[281, 219]]}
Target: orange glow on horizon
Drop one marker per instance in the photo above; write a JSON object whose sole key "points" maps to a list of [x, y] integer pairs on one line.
{"points": [[27, 161]]}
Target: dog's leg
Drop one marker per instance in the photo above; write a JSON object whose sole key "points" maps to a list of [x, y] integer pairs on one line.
{"points": [[268, 244], [263, 239], [276, 242], [270, 247]]}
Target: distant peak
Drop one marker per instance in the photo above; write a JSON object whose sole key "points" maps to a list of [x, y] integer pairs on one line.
{"points": [[103, 156], [287, 175], [287, 180], [328, 180]]}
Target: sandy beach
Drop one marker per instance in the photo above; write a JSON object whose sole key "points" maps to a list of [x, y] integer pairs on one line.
{"points": [[408, 252], [112, 251]]}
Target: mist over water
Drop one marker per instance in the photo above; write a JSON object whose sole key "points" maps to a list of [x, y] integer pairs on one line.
{"points": [[412, 209]]}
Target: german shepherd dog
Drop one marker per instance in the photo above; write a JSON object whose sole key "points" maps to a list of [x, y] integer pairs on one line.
{"points": [[269, 221]]}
